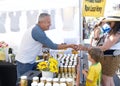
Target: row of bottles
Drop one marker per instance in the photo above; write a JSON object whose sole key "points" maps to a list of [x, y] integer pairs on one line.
{"points": [[47, 81], [53, 82], [67, 66]]}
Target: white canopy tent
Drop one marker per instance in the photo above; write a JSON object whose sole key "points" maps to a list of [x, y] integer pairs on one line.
{"points": [[16, 5], [58, 35]]}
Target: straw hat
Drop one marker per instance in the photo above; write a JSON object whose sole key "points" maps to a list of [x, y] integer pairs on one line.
{"points": [[112, 18]]}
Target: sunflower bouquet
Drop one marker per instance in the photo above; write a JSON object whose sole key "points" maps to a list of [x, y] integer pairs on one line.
{"points": [[50, 65]]}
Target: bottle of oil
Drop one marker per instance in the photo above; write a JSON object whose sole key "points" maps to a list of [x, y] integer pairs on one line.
{"points": [[23, 81]]}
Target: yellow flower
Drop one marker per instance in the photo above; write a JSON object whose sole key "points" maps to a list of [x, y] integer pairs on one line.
{"points": [[53, 68], [42, 65], [52, 60], [50, 65]]}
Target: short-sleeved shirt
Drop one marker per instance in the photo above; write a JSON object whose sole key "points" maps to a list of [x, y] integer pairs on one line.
{"points": [[94, 74]]}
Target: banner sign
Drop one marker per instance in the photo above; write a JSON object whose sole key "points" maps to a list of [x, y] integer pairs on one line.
{"points": [[93, 8]]}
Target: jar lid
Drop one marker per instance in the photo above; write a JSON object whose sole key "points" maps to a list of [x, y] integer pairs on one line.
{"points": [[55, 79], [62, 80], [49, 79], [69, 79], [35, 78], [43, 78], [65, 66], [23, 77]]}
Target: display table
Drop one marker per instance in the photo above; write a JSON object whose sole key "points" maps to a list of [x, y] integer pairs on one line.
{"points": [[69, 68], [8, 74]]}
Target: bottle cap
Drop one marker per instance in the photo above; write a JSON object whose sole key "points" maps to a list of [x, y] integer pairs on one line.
{"points": [[43, 78], [69, 79], [62, 80], [55, 79], [49, 79], [23, 77], [35, 78]]}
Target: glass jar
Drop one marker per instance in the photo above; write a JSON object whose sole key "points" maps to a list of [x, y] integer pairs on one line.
{"points": [[65, 69], [41, 84], [69, 81], [48, 82], [69, 71], [35, 79], [43, 79], [55, 82], [34, 84], [61, 69], [73, 69], [23, 81], [62, 82]]}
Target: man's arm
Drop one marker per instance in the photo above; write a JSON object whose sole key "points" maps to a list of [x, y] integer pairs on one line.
{"points": [[40, 36], [63, 46]]}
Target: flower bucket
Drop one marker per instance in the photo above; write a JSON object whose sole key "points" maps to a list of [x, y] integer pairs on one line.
{"points": [[47, 74]]}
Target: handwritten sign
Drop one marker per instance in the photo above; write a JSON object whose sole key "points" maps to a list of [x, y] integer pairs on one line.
{"points": [[93, 8]]}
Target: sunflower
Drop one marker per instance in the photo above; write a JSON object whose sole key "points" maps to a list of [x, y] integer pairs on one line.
{"points": [[52, 60], [50, 65], [42, 65], [53, 68]]}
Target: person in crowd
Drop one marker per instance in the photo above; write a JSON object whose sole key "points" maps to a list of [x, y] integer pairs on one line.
{"points": [[99, 32], [32, 42], [93, 75], [95, 35], [111, 47]]}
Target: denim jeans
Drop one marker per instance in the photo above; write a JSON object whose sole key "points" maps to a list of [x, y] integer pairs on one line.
{"points": [[23, 68]]}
